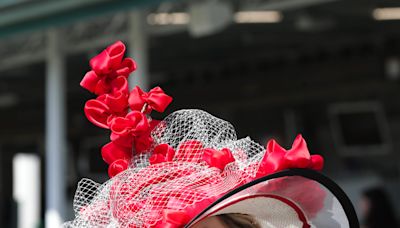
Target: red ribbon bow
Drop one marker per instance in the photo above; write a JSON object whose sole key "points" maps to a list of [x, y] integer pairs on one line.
{"points": [[117, 167], [102, 110], [133, 124], [121, 146], [218, 158], [112, 152], [107, 66], [162, 153], [277, 158], [155, 99]]}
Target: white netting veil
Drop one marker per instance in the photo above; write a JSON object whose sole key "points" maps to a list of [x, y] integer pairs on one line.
{"points": [[140, 196]]}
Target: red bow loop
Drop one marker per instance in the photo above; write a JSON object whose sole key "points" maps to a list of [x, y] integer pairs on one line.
{"points": [[108, 59], [128, 65], [273, 146], [97, 112], [121, 140], [142, 142], [271, 163], [162, 153], [102, 110], [117, 102], [112, 152], [218, 158], [155, 99], [117, 166], [317, 162], [277, 158], [158, 100], [91, 82], [120, 85], [298, 155], [136, 99], [133, 124]]}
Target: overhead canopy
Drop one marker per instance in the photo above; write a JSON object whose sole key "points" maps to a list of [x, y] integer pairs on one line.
{"points": [[33, 15]]}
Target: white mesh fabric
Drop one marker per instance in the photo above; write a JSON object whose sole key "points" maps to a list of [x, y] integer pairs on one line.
{"points": [[138, 196]]}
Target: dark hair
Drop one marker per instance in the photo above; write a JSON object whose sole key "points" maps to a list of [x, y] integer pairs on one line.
{"points": [[380, 213], [236, 220]]}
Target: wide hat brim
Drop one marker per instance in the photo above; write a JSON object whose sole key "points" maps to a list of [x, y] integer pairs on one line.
{"points": [[290, 198]]}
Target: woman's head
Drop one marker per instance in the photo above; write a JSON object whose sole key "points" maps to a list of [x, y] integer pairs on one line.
{"points": [[233, 220]]}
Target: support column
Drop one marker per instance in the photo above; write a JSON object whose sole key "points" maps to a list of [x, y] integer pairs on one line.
{"points": [[55, 131], [138, 48]]}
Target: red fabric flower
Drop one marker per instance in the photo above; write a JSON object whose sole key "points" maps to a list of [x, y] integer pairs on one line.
{"points": [[98, 113], [218, 158], [317, 162], [162, 153], [112, 152], [117, 167], [142, 143], [122, 140], [105, 108], [277, 158], [107, 66], [102, 110], [133, 124], [155, 99], [117, 102]]}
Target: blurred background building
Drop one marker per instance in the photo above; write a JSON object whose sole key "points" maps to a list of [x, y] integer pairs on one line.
{"points": [[329, 69]]}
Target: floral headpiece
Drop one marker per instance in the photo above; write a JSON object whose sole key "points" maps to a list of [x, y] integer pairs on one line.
{"points": [[165, 173]]}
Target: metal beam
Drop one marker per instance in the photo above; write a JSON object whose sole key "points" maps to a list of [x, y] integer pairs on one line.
{"points": [[31, 10], [43, 14], [291, 4]]}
